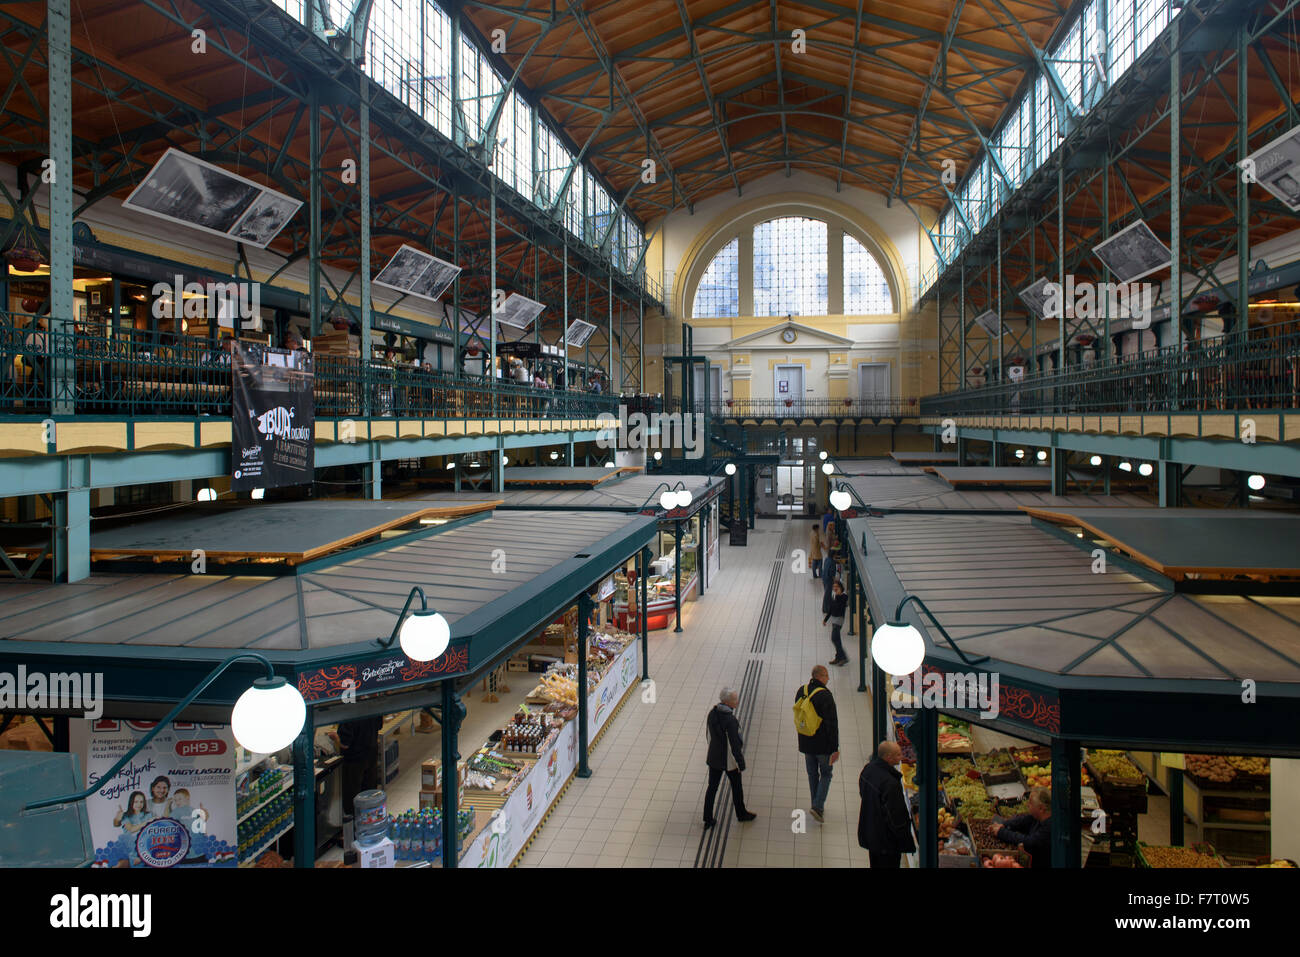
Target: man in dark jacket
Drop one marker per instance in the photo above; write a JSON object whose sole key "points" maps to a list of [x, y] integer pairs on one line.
{"points": [[1032, 832], [883, 825], [726, 753], [359, 744], [821, 749]]}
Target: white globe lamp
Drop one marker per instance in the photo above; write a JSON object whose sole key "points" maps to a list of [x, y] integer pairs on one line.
{"points": [[730, 468], [897, 648], [828, 468], [841, 500], [684, 497], [1256, 482], [268, 716], [424, 635]]}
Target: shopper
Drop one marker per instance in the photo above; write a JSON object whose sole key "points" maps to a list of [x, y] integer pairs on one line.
{"points": [[815, 550], [818, 727], [726, 753], [884, 829], [1031, 832], [839, 603], [828, 577], [827, 518], [359, 744]]}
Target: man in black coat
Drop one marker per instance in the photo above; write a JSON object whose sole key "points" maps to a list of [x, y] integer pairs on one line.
{"points": [[821, 749], [884, 828], [726, 753], [1032, 832], [359, 744]]}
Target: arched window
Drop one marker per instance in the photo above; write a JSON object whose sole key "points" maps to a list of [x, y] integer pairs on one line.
{"points": [[866, 290], [790, 267], [718, 293]]}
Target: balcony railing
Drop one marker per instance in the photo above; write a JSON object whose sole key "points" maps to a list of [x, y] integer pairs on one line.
{"points": [[1228, 374], [806, 408], [139, 374]]}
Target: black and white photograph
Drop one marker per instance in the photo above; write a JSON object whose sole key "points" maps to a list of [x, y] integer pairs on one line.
{"points": [[265, 218], [1276, 167], [187, 190], [404, 269], [518, 311], [989, 322], [578, 333], [435, 279], [1035, 296], [1134, 252]]}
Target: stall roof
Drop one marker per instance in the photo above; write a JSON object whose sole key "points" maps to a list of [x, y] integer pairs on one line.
{"points": [[495, 577], [1026, 476], [292, 531], [871, 467], [924, 458], [1111, 655], [628, 494], [1180, 541], [543, 475], [916, 490]]}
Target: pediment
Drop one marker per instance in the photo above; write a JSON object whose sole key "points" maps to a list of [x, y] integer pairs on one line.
{"points": [[806, 337]]}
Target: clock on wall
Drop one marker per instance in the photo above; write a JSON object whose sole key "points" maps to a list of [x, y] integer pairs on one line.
{"points": [[788, 336]]}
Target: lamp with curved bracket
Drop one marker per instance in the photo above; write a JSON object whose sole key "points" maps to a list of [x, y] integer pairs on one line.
{"points": [[898, 622]]}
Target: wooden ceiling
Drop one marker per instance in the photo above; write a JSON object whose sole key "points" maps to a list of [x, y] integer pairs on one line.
{"points": [[721, 92]]}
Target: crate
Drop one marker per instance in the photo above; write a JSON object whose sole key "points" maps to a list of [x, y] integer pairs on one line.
{"points": [[1020, 856], [1201, 849], [517, 665]]}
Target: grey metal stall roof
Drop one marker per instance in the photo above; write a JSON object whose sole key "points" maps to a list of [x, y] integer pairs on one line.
{"points": [[1027, 476], [924, 458], [552, 475], [461, 569], [1181, 541], [1006, 589], [293, 530], [917, 490], [628, 494]]}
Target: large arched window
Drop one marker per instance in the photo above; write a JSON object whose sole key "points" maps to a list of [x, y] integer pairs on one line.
{"points": [[796, 266], [790, 267], [866, 290], [718, 293]]}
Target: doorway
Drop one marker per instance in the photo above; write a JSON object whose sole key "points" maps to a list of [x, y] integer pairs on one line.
{"points": [[715, 387], [788, 388], [873, 383]]}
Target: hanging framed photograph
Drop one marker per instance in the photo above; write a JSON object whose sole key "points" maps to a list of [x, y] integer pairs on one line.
{"points": [[1035, 297], [435, 279], [578, 333], [990, 323], [185, 189], [519, 312], [1133, 252], [1276, 167]]}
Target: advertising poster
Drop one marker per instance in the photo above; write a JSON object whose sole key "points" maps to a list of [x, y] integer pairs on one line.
{"points": [[273, 415], [173, 805]]}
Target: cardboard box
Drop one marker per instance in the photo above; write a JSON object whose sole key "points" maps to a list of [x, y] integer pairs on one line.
{"points": [[383, 854], [430, 799], [431, 775]]}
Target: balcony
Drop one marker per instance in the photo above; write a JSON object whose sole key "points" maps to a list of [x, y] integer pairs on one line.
{"points": [[835, 410], [135, 374]]}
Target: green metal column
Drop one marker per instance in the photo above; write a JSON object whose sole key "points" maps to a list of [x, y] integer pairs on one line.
{"points": [[852, 590], [1060, 269], [314, 215], [364, 178], [458, 361], [304, 794], [1243, 187], [702, 566], [926, 742], [1067, 803], [1170, 477], [1176, 190], [450, 776], [499, 466], [492, 301], [61, 323], [963, 376], [585, 604], [643, 574], [71, 534], [1060, 471], [373, 478], [564, 332], [863, 621], [677, 572]]}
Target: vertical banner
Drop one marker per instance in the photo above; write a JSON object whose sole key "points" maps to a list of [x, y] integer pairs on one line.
{"points": [[173, 805], [273, 416]]}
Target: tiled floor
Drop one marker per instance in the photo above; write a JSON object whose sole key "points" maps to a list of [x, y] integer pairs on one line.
{"points": [[643, 805]]}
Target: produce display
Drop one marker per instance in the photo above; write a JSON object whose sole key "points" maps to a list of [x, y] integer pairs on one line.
{"points": [[1278, 863], [1157, 856], [984, 833], [1115, 766], [559, 687], [954, 735], [1037, 775], [995, 762], [1008, 808], [1223, 770], [999, 860], [1034, 755], [946, 823], [955, 766], [965, 790]]}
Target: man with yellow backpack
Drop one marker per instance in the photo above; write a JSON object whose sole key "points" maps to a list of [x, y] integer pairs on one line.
{"points": [[818, 727]]}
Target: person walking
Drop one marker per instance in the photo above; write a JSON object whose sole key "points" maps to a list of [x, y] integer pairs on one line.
{"points": [[726, 753], [815, 550], [818, 727], [828, 577], [839, 603], [884, 829]]}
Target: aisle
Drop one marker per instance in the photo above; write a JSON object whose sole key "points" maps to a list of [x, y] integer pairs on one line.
{"points": [[643, 804]]}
